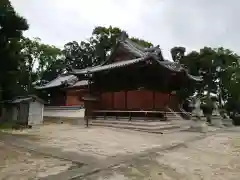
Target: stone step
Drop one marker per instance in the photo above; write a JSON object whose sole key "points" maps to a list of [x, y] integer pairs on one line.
{"points": [[159, 129], [133, 122]]}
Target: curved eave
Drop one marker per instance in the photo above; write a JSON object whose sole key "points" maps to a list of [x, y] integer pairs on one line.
{"points": [[195, 78], [58, 82], [49, 87], [174, 67]]}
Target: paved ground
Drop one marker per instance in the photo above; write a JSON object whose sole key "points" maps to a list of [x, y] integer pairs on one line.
{"points": [[123, 154]]}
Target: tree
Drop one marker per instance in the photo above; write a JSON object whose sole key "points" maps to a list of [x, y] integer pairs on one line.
{"points": [[41, 62], [220, 70], [11, 27], [96, 49]]}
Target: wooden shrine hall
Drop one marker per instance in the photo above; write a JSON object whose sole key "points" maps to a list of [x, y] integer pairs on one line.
{"points": [[133, 80]]}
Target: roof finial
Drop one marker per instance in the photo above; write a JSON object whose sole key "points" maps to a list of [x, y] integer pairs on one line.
{"points": [[123, 36]]}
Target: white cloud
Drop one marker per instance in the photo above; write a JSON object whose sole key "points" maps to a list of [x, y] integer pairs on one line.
{"points": [[191, 23]]}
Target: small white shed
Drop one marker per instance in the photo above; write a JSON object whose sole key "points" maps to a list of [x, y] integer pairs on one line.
{"points": [[26, 110]]}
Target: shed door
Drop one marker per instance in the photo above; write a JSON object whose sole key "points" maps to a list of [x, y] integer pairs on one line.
{"points": [[23, 113]]}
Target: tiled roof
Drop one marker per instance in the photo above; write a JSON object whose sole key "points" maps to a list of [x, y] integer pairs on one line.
{"points": [[178, 68], [110, 66], [171, 66], [80, 83], [195, 78], [60, 80], [133, 47], [20, 99], [141, 53]]}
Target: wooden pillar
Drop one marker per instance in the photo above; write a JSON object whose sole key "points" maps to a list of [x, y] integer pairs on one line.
{"points": [[112, 94], [169, 99], [125, 93]]}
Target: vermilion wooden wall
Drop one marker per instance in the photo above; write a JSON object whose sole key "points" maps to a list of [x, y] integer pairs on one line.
{"points": [[135, 100], [74, 98], [125, 100]]}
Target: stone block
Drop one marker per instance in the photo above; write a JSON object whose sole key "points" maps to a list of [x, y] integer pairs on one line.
{"points": [[199, 124], [216, 121], [227, 122]]}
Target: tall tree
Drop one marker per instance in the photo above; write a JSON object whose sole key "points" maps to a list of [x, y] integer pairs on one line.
{"points": [[41, 62], [96, 49], [11, 27], [220, 70]]}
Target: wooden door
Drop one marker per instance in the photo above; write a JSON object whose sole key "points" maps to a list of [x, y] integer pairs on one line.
{"points": [[23, 113]]}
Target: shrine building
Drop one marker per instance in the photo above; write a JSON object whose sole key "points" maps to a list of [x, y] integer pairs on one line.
{"points": [[133, 79]]}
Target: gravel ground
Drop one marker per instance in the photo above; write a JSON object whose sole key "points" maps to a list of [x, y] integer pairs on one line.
{"points": [[100, 142], [213, 158], [15, 164]]}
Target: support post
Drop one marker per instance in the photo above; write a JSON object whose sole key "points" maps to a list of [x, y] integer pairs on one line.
{"points": [[88, 109]]}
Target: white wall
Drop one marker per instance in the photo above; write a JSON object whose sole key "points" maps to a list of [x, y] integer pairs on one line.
{"points": [[35, 113], [63, 112]]}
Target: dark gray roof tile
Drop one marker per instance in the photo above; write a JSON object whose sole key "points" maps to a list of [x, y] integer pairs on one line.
{"points": [[110, 66]]}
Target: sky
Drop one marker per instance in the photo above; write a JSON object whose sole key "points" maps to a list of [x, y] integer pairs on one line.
{"points": [[168, 23]]}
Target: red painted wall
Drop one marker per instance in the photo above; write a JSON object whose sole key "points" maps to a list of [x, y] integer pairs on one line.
{"points": [[119, 100], [134, 100], [74, 98], [106, 101], [131, 100], [161, 100], [140, 100]]}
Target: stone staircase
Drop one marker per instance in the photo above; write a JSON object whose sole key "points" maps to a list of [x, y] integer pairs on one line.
{"points": [[171, 115], [158, 127]]}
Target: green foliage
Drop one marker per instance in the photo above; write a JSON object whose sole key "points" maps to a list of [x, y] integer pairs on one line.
{"points": [[96, 49], [11, 27], [40, 63], [142, 42], [219, 68]]}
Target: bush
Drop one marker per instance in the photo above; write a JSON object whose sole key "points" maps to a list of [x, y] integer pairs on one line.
{"points": [[207, 109], [7, 125], [236, 120]]}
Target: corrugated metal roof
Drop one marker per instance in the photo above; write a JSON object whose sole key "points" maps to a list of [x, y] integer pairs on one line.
{"points": [[59, 81]]}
